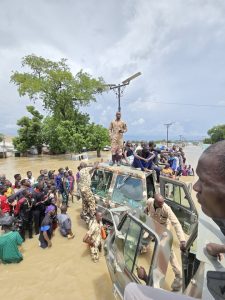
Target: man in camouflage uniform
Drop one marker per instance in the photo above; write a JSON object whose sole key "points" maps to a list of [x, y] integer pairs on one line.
{"points": [[94, 237], [116, 130], [88, 199], [162, 213]]}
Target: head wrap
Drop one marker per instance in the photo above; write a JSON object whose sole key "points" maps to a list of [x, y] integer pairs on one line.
{"points": [[49, 208]]}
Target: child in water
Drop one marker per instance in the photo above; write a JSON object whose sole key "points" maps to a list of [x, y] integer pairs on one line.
{"points": [[65, 223]]}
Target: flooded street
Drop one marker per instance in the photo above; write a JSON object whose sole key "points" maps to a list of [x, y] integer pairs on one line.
{"points": [[64, 271]]}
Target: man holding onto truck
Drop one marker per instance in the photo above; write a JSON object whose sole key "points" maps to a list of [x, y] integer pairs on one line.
{"points": [[162, 213], [88, 199]]}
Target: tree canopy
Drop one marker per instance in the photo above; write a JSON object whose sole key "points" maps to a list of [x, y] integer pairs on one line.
{"points": [[53, 83], [29, 133], [97, 137], [65, 128], [216, 134]]}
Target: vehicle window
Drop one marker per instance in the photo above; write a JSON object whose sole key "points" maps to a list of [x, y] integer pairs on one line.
{"points": [[177, 194], [100, 182], [125, 226], [135, 247], [150, 186], [120, 241], [131, 245], [128, 191], [145, 252]]}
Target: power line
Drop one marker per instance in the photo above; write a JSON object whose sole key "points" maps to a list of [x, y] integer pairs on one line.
{"points": [[168, 103], [182, 104]]}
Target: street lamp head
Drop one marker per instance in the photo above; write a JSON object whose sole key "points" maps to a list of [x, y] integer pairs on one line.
{"points": [[110, 85], [127, 81], [169, 124]]}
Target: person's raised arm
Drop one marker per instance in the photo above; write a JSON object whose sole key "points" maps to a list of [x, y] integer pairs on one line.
{"points": [[94, 167]]}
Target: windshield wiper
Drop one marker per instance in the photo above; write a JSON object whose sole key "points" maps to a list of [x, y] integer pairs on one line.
{"points": [[119, 185]]}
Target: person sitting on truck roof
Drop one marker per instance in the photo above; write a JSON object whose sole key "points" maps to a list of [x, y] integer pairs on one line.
{"points": [[129, 153], [162, 213], [143, 158], [167, 171]]}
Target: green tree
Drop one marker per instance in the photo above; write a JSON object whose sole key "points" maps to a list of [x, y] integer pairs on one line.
{"points": [[72, 137], [97, 138], [216, 134], [29, 133], [53, 83], [1, 137], [65, 135], [51, 136]]}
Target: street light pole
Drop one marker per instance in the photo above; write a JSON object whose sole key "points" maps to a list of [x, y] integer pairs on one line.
{"points": [[167, 132], [119, 107], [119, 86]]}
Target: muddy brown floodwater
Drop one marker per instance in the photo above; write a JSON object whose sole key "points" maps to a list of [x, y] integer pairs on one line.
{"points": [[64, 271]]}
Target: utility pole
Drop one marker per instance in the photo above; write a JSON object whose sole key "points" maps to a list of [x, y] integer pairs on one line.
{"points": [[167, 132], [118, 88]]}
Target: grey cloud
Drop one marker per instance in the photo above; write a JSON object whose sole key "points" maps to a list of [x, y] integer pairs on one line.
{"points": [[177, 45]]}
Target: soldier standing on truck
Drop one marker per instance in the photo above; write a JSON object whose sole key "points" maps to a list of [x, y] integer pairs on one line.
{"points": [[116, 130], [88, 199], [162, 213]]}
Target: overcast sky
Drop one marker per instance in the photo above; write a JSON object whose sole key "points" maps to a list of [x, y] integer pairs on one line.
{"points": [[177, 45]]}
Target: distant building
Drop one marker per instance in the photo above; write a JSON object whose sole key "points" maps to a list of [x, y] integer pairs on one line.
{"points": [[6, 149]]}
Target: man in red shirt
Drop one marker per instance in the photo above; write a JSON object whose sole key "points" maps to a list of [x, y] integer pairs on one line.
{"points": [[4, 205]]}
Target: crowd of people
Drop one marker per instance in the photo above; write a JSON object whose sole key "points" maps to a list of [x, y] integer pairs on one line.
{"points": [[170, 162], [30, 206]]}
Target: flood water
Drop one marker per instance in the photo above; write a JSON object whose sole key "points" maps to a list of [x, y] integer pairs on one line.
{"points": [[64, 271]]}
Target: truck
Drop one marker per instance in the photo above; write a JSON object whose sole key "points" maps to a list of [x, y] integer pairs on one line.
{"points": [[122, 194]]}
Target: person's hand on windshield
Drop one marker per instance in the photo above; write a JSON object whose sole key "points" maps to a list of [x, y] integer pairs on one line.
{"points": [[142, 274], [182, 245]]}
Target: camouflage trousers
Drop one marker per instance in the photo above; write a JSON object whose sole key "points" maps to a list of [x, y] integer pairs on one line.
{"points": [[95, 251], [88, 202]]}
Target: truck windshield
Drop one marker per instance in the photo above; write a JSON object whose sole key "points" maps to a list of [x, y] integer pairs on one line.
{"points": [[100, 182], [128, 191]]}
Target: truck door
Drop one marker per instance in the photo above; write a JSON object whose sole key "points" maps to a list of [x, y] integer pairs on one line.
{"points": [[134, 245], [178, 197]]}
